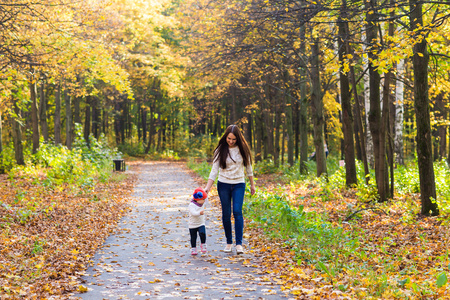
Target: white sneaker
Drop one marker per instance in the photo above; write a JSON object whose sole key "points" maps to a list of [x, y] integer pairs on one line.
{"points": [[239, 249], [228, 248]]}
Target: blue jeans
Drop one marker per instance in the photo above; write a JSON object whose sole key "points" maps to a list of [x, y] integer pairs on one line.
{"points": [[232, 196]]}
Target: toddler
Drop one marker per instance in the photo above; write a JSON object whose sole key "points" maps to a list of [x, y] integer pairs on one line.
{"points": [[197, 220]]}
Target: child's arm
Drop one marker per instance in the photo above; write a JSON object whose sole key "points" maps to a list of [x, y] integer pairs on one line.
{"points": [[195, 210]]}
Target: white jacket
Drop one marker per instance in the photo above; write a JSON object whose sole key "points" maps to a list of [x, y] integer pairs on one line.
{"points": [[195, 218]]}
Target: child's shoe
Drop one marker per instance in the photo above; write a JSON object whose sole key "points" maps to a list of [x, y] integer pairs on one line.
{"points": [[203, 248], [194, 251]]}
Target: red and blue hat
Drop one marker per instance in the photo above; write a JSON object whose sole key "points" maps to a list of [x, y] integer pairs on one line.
{"points": [[200, 194]]}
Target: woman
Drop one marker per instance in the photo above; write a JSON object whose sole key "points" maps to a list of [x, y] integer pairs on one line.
{"points": [[231, 156]]}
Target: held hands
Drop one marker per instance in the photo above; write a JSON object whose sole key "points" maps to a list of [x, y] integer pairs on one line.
{"points": [[202, 212]]}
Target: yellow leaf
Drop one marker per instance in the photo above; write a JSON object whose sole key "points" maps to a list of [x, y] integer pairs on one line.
{"points": [[82, 289]]}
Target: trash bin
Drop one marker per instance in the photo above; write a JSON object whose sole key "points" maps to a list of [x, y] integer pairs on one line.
{"points": [[119, 165]]}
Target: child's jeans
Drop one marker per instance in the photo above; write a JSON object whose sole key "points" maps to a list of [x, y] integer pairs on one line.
{"points": [[201, 232]]}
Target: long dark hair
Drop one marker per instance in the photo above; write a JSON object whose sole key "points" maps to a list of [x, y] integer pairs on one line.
{"points": [[222, 150]]}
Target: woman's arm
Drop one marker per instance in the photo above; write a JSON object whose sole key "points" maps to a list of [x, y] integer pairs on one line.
{"points": [[209, 185], [252, 185], [212, 175]]}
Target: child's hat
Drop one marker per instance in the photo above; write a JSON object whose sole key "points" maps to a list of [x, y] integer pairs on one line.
{"points": [[200, 194]]}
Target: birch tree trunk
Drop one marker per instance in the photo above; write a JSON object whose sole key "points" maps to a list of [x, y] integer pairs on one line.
{"points": [[366, 78], [398, 122]]}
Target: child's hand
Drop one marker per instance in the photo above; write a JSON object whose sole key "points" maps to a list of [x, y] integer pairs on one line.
{"points": [[202, 212]]}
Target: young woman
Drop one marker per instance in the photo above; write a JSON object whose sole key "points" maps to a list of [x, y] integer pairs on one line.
{"points": [[231, 157]]}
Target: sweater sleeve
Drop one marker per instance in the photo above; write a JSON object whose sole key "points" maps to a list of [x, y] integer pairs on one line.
{"points": [[214, 170], [249, 169], [194, 210]]}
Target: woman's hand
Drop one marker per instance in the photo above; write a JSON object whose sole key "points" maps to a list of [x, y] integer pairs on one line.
{"points": [[252, 189]]}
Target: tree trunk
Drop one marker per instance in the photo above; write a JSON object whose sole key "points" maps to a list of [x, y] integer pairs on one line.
{"points": [[277, 129], [151, 127], [361, 128], [383, 153], [268, 122], [2, 166], [43, 111], [317, 109], [144, 123], [303, 112], [34, 114], [347, 116], [386, 136], [105, 121], [357, 134], [67, 101], [422, 109], [441, 114], [289, 128], [259, 135], [375, 123], [366, 78], [57, 118], [122, 117], [117, 122], [398, 125], [87, 120], [95, 117], [17, 133], [76, 110]]}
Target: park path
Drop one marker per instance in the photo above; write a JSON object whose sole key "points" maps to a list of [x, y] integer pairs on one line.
{"points": [[149, 257]]}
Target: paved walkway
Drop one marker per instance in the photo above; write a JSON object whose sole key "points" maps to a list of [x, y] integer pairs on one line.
{"points": [[150, 256]]}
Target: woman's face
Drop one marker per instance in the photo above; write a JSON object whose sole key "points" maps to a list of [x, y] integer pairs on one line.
{"points": [[231, 140]]}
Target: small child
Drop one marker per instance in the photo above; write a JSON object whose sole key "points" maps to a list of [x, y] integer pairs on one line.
{"points": [[197, 220]]}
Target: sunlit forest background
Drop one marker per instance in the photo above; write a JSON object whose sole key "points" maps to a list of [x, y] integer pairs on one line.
{"points": [[368, 80]]}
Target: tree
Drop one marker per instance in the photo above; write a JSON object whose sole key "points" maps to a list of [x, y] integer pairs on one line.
{"points": [[347, 116], [317, 109], [421, 105]]}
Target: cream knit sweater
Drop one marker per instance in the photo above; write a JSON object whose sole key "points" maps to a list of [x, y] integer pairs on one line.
{"points": [[234, 172]]}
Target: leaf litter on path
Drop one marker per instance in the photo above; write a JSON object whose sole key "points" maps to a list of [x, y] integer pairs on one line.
{"points": [[151, 254]]}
